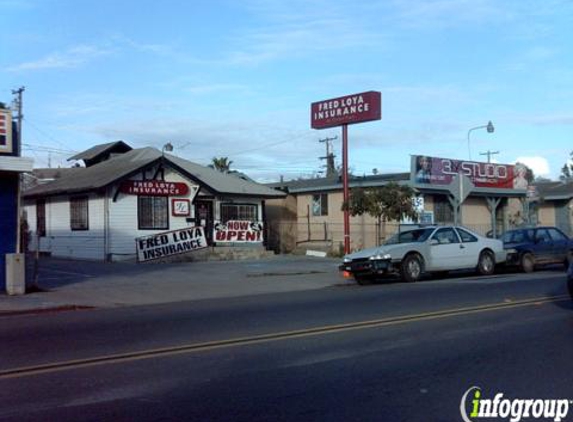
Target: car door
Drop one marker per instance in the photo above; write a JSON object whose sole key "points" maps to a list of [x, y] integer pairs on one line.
{"points": [[470, 247], [446, 250], [560, 244], [543, 245]]}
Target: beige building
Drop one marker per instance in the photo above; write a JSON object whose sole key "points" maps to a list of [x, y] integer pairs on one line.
{"points": [[311, 217]]}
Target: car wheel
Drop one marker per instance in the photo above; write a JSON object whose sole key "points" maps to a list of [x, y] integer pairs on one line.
{"points": [[486, 263], [411, 268], [527, 263]]}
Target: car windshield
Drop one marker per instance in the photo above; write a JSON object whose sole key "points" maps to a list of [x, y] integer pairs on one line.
{"points": [[418, 235]]}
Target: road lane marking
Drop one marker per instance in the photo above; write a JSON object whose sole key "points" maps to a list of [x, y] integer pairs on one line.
{"points": [[19, 372]]}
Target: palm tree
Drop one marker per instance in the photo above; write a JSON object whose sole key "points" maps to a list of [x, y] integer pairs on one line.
{"points": [[222, 164]]}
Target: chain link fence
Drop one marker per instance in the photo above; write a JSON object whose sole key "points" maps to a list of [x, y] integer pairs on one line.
{"points": [[292, 236]]}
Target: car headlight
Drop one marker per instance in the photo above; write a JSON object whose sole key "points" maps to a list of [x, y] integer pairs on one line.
{"points": [[346, 260], [511, 251], [380, 256]]}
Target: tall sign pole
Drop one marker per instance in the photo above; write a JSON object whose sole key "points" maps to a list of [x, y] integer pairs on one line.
{"points": [[342, 111], [345, 190]]}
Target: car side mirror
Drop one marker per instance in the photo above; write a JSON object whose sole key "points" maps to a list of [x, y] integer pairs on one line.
{"points": [[434, 242]]}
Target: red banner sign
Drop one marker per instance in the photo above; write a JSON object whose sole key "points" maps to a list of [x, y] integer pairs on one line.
{"points": [[440, 171], [5, 131], [350, 109], [153, 188]]}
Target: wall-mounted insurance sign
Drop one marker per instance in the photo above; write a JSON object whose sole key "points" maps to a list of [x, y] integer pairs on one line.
{"points": [[238, 231], [165, 244], [6, 146]]}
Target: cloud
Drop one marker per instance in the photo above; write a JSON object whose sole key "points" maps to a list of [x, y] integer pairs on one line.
{"points": [[539, 165], [261, 149], [71, 58], [558, 118], [448, 13]]}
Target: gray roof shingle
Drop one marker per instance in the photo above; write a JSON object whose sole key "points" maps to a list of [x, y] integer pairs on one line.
{"points": [[335, 183], [97, 150], [121, 166]]}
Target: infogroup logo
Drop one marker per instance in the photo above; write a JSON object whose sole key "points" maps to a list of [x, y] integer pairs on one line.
{"points": [[473, 407]]}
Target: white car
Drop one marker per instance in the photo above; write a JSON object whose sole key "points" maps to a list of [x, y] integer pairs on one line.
{"points": [[412, 253]]}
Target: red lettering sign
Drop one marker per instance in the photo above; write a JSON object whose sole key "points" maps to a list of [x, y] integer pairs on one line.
{"points": [[238, 231], [350, 109], [153, 188]]}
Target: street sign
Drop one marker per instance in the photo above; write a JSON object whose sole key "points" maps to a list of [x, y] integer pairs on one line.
{"points": [[460, 187]]}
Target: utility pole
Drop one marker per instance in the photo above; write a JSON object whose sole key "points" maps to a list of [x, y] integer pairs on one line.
{"points": [[489, 154], [18, 107], [330, 167]]}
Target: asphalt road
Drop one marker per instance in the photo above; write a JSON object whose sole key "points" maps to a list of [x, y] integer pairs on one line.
{"points": [[392, 352]]}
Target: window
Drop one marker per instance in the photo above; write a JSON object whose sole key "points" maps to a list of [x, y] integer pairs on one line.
{"points": [[153, 212], [541, 235], [79, 213], [466, 236], [320, 205], [556, 234], [41, 217], [443, 211], [446, 236], [247, 212]]}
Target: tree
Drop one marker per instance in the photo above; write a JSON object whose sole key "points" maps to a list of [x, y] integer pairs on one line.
{"points": [[567, 170], [222, 164], [385, 203]]}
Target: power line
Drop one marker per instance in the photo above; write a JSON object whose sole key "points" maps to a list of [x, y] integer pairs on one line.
{"points": [[48, 149], [42, 132]]}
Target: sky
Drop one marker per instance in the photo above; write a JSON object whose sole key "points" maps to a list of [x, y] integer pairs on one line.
{"points": [[236, 79]]}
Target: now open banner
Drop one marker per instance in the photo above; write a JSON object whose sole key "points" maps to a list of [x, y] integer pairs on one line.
{"points": [[238, 231]]}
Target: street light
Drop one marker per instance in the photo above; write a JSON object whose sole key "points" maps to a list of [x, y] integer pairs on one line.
{"points": [[489, 128], [167, 147]]}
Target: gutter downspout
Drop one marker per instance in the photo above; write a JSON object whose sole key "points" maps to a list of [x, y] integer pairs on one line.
{"points": [[106, 231]]}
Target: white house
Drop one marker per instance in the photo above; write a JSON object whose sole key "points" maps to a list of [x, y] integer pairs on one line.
{"points": [[97, 212]]}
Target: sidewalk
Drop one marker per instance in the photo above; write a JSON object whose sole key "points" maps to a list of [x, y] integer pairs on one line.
{"points": [[76, 284]]}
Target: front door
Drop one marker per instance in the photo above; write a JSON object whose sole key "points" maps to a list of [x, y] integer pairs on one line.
{"points": [[204, 218]]}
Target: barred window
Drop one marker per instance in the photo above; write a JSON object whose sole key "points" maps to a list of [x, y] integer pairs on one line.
{"points": [[153, 212], [443, 211], [41, 217], [79, 213], [246, 212], [320, 205]]}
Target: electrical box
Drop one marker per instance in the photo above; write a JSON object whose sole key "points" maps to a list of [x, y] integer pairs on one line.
{"points": [[15, 274]]}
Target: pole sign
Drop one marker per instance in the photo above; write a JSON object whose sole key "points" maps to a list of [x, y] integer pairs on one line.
{"points": [[6, 146], [238, 231], [153, 188], [346, 110], [165, 244], [436, 172]]}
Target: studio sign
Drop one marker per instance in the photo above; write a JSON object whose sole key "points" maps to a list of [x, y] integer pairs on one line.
{"points": [[153, 188]]}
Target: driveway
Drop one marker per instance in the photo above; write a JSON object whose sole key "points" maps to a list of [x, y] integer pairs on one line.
{"points": [[69, 283]]}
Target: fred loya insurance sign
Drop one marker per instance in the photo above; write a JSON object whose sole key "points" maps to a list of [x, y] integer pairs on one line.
{"points": [[162, 245], [346, 110]]}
